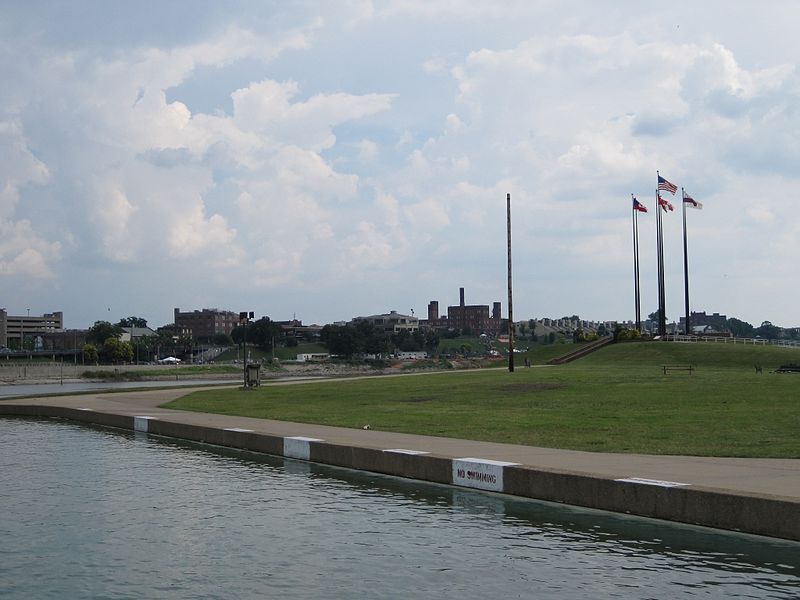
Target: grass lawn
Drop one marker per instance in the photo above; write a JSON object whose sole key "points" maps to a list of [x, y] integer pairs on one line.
{"points": [[161, 371], [615, 400]]}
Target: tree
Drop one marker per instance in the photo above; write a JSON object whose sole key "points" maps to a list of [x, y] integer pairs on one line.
{"points": [[532, 325], [653, 316], [89, 353], [341, 340], [739, 328], [116, 351], [768, 330], [431, 341], [260, 333], [132, 322], [372, 339], [222, 339], [101, 331]]}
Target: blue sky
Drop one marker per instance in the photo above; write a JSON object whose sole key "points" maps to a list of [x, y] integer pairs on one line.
{"points": [[332, 159]]}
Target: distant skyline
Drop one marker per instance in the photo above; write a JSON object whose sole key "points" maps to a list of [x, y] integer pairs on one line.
{"points": [[331, 159]]}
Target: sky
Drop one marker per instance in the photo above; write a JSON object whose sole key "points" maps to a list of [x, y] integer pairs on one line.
{"points": [[324, 160]]}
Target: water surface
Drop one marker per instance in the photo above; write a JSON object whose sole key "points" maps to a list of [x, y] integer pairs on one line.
{"points": [[94, 513]]}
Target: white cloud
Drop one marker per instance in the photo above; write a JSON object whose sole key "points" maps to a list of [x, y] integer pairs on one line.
{"points": [[320, 168], [266, 106], [24, 253], [367, 150]]}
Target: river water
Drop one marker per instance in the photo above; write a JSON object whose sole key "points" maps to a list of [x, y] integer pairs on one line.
{"points": [[93, 513]]}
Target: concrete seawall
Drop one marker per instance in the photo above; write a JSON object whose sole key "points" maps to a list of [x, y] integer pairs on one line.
{"points": [[757, 513]]}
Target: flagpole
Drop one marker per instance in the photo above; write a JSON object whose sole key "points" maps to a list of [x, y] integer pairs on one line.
{"points": [[687, 328], [635, 219], [662, 317]]}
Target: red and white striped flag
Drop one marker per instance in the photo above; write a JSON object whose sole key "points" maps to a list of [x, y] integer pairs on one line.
{"points": [[691, 202], [665, 185]]}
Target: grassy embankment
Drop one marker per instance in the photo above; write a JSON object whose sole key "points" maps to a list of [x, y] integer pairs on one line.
{"points": [[161, 371], [615, 400]]}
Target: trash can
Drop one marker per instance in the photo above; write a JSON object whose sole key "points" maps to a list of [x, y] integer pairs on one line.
{"points": [[251, 375]]}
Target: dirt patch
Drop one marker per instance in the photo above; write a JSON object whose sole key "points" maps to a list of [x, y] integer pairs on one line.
{"points": [[524, 388]]}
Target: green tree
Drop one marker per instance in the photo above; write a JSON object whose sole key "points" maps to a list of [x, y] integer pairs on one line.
{"points": [[739, 328], [342, 340], [89, 353], [372, 339], [768, 330], [431, 341], [116, 351], [101, 331], [222, 339], [132, 322], [260, 333]]}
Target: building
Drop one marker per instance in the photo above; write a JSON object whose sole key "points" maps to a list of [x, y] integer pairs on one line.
{"points": [[475, 318], [295, 329], [206, 323], [713, 323], [134, 334], [13, 329], [391, 322]]}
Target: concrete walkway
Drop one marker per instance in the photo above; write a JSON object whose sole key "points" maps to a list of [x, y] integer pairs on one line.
{"points": [[646, 485]]}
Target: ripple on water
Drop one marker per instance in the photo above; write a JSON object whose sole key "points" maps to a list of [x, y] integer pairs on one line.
{"points": [[92, 513]]}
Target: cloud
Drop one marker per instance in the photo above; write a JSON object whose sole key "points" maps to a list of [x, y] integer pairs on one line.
{"points": [[24, 253], [314, 166], [266, 106]]}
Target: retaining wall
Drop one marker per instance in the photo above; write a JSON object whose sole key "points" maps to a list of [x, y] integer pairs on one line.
{"points": [[769, 516]]}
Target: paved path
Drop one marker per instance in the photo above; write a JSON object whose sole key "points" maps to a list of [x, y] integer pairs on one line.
{"points": [[767, 478]]}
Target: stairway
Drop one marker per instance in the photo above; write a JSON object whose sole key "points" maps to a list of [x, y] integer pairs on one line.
{"points": [[582, 351]]}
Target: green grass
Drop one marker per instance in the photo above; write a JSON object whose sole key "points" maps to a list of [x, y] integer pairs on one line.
{"points": [[615, 400], [165, 370]]}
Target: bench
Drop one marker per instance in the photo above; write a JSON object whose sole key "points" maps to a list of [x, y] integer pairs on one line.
{"points": [[668, 368]]}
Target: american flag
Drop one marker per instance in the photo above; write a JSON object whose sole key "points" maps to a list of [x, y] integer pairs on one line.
{"points": [[665, 185], [639, 206]]}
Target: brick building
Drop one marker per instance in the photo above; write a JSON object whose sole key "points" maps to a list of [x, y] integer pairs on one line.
{"points": [[475, 318], [206, 323]]}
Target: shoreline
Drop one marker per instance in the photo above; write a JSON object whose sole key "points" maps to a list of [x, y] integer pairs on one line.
{"points": [[754, 496]]}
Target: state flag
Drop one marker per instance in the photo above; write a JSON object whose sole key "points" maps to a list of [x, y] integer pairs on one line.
{"points": [[691, 202]]}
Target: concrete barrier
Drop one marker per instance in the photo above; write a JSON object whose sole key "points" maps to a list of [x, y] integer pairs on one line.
{"points": [[671, 501]]}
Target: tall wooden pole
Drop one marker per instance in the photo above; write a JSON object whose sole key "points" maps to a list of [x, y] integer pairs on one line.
{"points": [[510, 302], [687, 327]]}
